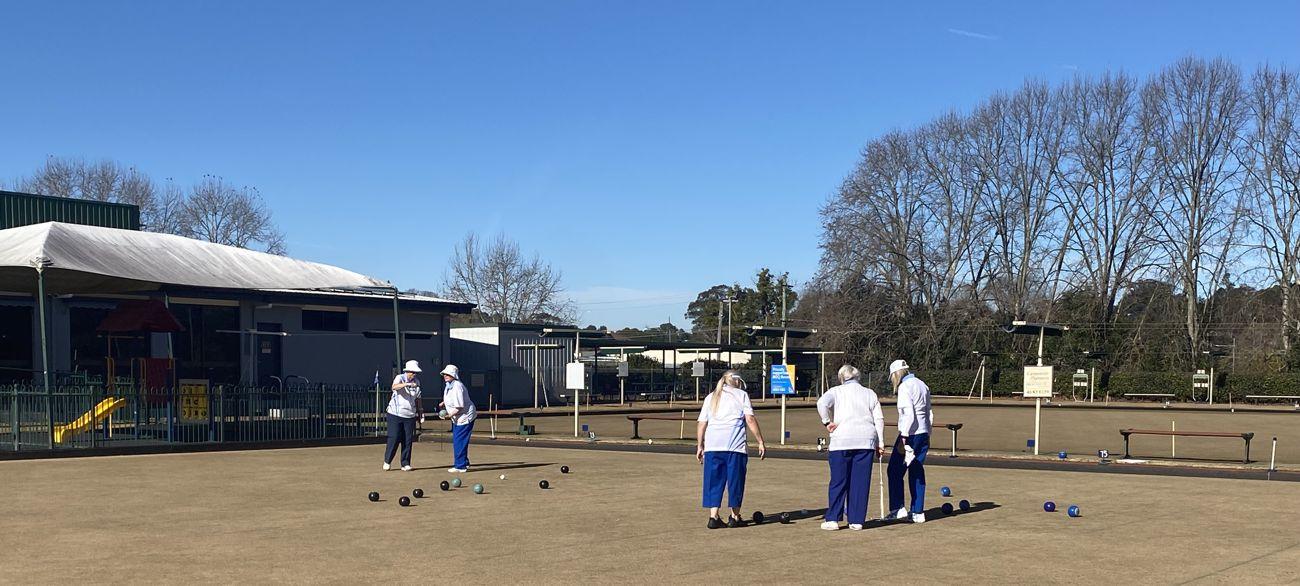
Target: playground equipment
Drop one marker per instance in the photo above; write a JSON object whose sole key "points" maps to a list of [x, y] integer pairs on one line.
{"points": [[89, 420]]}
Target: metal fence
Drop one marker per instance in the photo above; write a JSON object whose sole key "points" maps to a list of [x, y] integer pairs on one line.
{"points": [[86, 416]]}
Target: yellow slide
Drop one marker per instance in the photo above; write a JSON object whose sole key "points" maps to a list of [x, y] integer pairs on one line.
{"points": [[89, 420]]}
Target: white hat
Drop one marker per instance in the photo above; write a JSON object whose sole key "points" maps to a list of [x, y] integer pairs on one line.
{"points": [[412, 366], [898, 365], [452, 371]]}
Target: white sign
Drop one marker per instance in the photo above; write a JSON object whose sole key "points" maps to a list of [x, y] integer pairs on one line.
{"points": [[697, 369], [1038, 382], [575, 376], [622, 369]]}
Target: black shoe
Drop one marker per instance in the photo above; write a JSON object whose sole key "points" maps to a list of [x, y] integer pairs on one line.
{"points": [[715, 523], [734, 523]]}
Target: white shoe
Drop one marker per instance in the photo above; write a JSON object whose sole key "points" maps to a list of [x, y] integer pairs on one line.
{"points": [[387, 466], [897, 515], [855, 527], [406, 468], [831, 525], [918, 518], [456, 470]]}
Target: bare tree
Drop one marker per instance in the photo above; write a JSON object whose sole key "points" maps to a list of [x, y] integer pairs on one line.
{"points": [[216, 211], [1272, 163], [1198, 114], [504, 284], [1110, 187]]}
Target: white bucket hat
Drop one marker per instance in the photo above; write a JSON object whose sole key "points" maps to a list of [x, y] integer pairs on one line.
{"points": [[898, 365], [452, 371], [412, 366]]}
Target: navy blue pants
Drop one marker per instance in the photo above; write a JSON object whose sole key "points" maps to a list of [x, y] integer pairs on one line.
{"points": [[915, 473], [724, 469], [460, 444], [401, 431], [851, 484]]}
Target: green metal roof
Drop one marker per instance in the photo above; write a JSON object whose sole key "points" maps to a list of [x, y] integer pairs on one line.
{"points": [[24, 209]]}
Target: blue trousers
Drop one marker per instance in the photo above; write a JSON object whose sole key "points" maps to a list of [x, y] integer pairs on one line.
{"points": [[851, 483], [915, 473], [401, 431], [724, 469], [460, 444]]}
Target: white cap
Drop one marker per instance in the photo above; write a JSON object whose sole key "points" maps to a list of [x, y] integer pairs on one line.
{"points": [[898, 365], [412, 366], [452, 371]]}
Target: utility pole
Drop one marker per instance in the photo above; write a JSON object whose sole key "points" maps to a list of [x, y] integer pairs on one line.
{"points": [[729, 300], [719, 338]]}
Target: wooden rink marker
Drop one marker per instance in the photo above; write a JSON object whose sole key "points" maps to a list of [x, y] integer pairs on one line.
{"points": [[681, 428], [1173, 440]]}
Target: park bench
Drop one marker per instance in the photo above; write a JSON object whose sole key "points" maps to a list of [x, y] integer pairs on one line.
{"points": [[636, 421], [1164, 432], [1276, 398]]}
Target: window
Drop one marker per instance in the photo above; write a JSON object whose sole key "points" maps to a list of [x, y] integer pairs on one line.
{"points": [[203, 350], [16, 349], [324, 321]]}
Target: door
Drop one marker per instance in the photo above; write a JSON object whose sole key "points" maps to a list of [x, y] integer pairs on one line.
{"points": [[268, 355]]}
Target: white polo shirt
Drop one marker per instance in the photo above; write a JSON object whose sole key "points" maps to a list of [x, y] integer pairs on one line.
{"points": [[725, 431], [455, 397], [914, 412], [403, 402]]}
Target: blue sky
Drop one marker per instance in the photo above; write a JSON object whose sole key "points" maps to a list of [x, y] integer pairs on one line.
{"points": [[647, 149]]}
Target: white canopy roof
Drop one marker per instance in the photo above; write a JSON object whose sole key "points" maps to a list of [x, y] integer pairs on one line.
{"points": [[90, 259]]}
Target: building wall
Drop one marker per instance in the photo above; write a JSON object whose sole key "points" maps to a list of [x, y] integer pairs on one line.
{"points": [[506, 369], [349, 357], [23, 209]]}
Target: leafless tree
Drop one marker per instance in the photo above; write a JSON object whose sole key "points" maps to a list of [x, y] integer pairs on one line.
{"points": [[1198, 112], [212, 209], [1271, 159], [1110, 187], [216, 211], [506, 285]]}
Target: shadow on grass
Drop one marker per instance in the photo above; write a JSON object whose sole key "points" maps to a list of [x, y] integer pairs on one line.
{"points": [[934, 514]]}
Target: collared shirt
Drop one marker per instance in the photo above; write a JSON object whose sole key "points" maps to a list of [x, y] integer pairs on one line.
{"points": [[403, 402], [455, 398], [914, 412], [725, 431], [855, 409]]}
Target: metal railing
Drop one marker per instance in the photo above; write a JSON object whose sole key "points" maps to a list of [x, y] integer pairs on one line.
{"points": [[72, 416]]}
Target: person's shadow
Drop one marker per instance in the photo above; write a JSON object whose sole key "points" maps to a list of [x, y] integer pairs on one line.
{"points": [[931, 515], [494, 466]]}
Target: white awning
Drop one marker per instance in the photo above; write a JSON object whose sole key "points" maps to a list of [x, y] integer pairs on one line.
{"points": [[90, 259]]}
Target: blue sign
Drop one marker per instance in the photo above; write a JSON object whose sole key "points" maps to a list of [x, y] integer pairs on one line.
{"points": [[782, 379]]}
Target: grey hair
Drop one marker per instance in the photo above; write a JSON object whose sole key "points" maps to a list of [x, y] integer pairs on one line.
{"points": [[848, 372]]}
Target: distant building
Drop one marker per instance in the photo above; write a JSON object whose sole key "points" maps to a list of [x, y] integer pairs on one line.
{"points": [[229, 335]]}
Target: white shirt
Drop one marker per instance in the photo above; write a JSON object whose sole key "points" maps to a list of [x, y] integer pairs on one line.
{"points": [[455, 398], [725, 431], [403, 401], [855, 409], [914, 412]]}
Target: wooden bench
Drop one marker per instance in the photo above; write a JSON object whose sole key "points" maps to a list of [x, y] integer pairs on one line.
{"points": [[636, 421], [1274, 397], [1242, 435]]}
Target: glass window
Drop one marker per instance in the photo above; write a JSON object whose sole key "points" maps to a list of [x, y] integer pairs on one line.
{"points": [[16, 344], [324, 321]]}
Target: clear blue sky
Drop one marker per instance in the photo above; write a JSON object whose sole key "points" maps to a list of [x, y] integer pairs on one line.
{"points": [[647, 149]]}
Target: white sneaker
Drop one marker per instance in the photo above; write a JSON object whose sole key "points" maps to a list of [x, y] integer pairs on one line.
{"points": [[897, 515], [855, 527], [387, 466], [831, 525], [918, 518], [406, 468], [456, 470]]}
